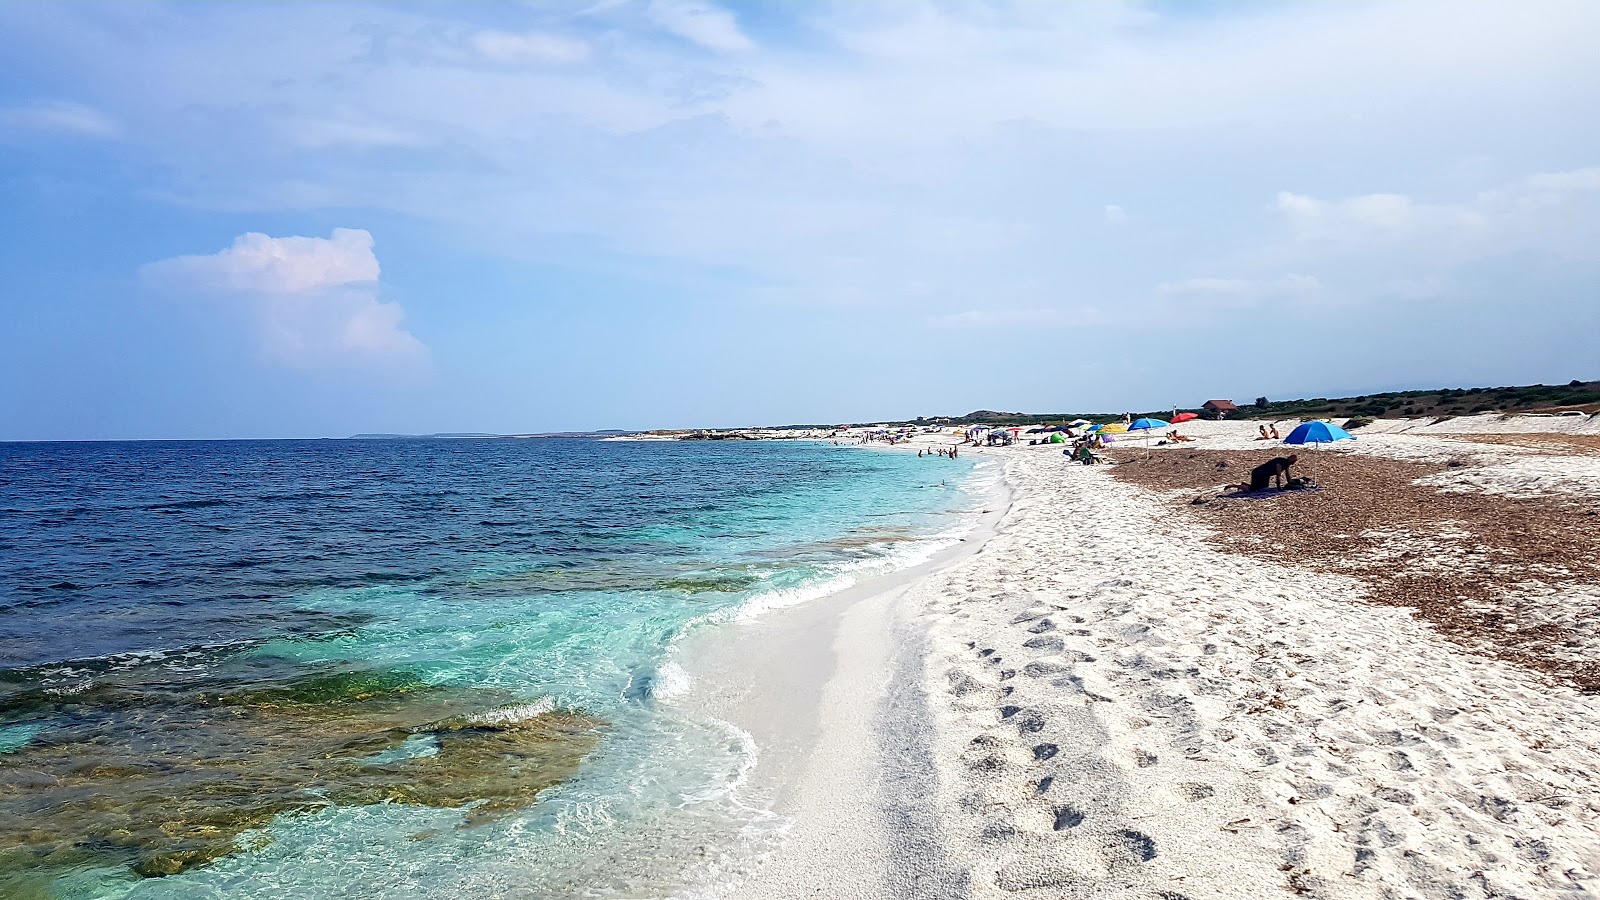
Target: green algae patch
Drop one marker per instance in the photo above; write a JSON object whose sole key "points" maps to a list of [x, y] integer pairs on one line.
{"points": [[336, 688], [726, 584], [162, 781]]}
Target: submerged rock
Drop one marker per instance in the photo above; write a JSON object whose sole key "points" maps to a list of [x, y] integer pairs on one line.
{"points": [[163, 780]]}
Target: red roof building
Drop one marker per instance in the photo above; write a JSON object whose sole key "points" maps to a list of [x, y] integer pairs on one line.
{"points": [[1219, 408]]}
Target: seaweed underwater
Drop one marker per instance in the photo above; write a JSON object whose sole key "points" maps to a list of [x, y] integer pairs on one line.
{"points": [[160, 770]]}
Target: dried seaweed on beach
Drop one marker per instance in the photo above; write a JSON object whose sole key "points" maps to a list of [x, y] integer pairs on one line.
{"points": [[1515, 577]]}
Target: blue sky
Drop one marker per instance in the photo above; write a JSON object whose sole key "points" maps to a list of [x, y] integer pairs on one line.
{"points": [[281, 220]]}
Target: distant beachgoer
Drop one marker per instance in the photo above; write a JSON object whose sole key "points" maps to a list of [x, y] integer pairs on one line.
{"points": [[1274, 429], [1264, 436]]}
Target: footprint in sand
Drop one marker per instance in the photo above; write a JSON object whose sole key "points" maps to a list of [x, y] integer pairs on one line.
{"points": [[1139, 845], [1067, 817], [1030, 723], [962, 684]]}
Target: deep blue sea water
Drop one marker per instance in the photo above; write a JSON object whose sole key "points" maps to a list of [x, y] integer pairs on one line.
{"points": [[424, 668]]}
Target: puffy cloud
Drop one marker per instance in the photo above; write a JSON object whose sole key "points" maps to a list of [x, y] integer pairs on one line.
{"points": [[258, 264], [866, 148], [709, 26], [1375, 218], [314, 300], [60, 117], [1534, 213]]}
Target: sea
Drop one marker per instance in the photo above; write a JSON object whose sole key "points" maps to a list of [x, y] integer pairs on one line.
{"points": [[409, 668]]}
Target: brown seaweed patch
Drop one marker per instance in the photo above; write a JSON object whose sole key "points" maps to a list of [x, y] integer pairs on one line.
{"points": [[708, 584], [163, 786]]}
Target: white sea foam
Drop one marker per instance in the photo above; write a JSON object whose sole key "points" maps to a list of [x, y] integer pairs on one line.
{"points": [[782, 598], [671, 680], [506, 715]]}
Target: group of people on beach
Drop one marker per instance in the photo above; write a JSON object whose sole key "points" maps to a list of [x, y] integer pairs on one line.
{"points": [[950, 452], [1268, 433], [1082, 449]]}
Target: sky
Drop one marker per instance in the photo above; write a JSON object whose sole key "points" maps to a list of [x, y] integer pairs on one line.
{"points": [[236, 220]]}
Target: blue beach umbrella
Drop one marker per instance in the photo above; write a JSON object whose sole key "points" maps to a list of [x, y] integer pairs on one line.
{"points": [[1147, 426], [1318, 433]]}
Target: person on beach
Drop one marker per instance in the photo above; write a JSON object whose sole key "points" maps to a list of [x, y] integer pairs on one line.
{"points": [[1264, 436], [1274, 430]]}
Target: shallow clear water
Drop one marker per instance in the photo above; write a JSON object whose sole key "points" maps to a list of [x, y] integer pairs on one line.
{"points": [[404, 668]]}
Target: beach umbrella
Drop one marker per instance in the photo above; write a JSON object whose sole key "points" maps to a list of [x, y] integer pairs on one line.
{"points": [[1318, 433], [1114, 428], [1076, 422], [1184, 417], [1146, 426], [1092, 429]]}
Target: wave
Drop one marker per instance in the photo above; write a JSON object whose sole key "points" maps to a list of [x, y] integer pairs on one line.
{"points": [[510, 715]]}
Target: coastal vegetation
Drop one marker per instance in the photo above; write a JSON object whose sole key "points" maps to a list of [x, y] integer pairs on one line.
{"points": [[1583, 396]]}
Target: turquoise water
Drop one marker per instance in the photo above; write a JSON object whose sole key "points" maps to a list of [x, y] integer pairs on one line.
{"points": [[416, 602]]}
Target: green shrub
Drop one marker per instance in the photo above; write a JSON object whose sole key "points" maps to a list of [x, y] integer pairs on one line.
{"points": [[1357, 422]]}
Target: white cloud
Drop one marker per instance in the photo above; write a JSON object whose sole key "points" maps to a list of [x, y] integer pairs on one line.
{"points": [[962, 146], [1534, 213], [315, 300], [258, 264], [60, 117], [529, 47], [705, 24], [1383, 218]]}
